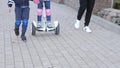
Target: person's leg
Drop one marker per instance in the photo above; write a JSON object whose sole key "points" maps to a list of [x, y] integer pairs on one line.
{"points": [[25, 16], [39, 14], [48, 10], [90, 5], [48, 13], [83, 6], [18, 20]]}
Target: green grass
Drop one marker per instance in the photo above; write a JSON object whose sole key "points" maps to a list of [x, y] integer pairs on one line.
{"points": [[118, 1], [117, 4]]}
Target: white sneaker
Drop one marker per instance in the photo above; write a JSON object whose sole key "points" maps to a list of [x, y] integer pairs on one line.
{"points": [[39, 25], [87, 29], [49, 25], [77, 24]]}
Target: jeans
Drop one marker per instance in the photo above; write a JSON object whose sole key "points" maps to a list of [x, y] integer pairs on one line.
{"points": [[22, 15]]}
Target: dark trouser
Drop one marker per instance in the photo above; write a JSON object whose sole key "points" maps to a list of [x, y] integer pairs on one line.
{"points": [[88, 6], [22, 15]]}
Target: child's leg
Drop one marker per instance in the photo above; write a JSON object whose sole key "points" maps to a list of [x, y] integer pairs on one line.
{"points": [[18, 20], [25, 17], [48, 14], [39, 11], [39, 14], [48, 11]]}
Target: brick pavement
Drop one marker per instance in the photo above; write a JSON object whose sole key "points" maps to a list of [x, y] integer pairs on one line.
{"points": [[71, 49]]}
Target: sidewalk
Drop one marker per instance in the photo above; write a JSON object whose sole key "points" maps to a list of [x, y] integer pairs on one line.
{"points": [[71, 49]]}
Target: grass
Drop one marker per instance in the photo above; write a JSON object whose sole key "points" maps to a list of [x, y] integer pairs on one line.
{"points": [[117, 4], [118, 1]]}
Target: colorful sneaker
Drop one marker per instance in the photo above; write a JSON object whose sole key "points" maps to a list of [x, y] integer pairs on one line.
{"points": [[16, 30], [77, 24], [23, 38], [87, 29]]}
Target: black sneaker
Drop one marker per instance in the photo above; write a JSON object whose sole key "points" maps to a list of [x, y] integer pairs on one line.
{"points": [[23, 38], [16, 31]]}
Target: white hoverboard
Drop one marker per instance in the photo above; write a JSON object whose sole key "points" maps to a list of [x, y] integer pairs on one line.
{"points": [[55, 28]]}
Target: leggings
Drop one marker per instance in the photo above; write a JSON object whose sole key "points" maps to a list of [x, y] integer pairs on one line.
{"points": [[47, 9]]}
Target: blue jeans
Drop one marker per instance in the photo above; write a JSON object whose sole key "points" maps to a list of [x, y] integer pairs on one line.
{"points": [[22, 15]]}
